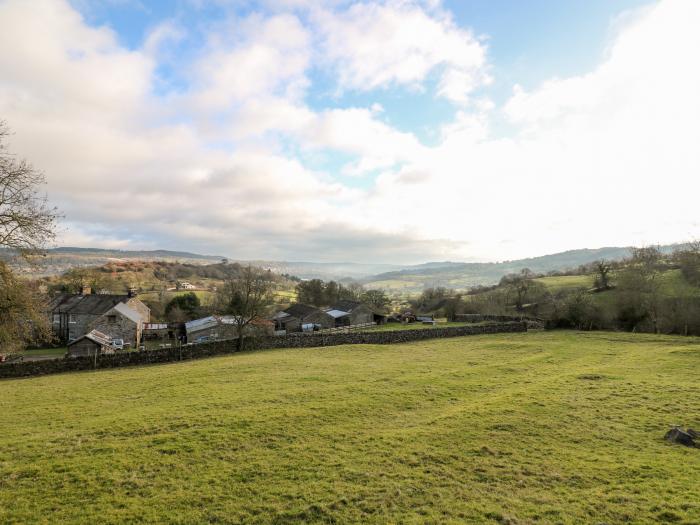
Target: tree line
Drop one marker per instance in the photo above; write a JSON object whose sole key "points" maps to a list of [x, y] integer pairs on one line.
{"points": [[650, 291], [317, 292]]}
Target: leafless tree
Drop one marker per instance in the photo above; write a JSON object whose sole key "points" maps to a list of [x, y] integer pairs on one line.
{"points": [[247, 297], [603, 269], [27, 222]]}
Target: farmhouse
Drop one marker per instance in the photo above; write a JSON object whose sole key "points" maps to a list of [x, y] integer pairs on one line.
{"points": [[73, 314]]}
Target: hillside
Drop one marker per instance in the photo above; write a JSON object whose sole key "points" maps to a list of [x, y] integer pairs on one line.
{"points": [[461, 276], [530, 428], [393, 278], [59, 260]]}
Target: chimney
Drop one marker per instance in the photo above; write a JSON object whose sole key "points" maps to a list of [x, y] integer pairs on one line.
{"points": [[133, 292], [85, 290]]}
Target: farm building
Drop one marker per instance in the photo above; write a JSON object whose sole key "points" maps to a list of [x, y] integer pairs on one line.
{"points": [[295, 316], [343, 313], [90, 344], [72, 314], [163, 331], [217, 327], [120, 322], [355, 313]]}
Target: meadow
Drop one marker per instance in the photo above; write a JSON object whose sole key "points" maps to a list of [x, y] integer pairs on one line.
{"points": [[542, 427]]}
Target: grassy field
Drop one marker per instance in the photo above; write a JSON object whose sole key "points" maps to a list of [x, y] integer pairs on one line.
{"points": [[391, 327], [524, 428], [41, 352], [566, 282]]}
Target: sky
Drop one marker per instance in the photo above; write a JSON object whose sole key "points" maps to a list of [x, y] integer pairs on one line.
{"points": [[395, 131]]}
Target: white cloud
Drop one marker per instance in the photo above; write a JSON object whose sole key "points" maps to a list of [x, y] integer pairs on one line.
{"points": [[379, 45], [609, 157]]}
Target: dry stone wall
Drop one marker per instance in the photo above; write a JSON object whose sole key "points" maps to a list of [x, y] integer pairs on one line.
{"points": [[166, 355]]}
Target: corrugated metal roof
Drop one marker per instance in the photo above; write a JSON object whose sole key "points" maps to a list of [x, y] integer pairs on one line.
{"points": [[201, 324], [337, 313], [301, 310]]}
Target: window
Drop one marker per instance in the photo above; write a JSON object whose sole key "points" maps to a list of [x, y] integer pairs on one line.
{"points": [[111, 318], [56, 318], [72, 319]]}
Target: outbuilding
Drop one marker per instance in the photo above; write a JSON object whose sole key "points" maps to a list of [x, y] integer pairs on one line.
{"points": [[91, 344]]}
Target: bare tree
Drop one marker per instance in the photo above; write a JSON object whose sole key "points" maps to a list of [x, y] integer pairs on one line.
{"points": [[247, 297], [603, 269], [27, 222]]}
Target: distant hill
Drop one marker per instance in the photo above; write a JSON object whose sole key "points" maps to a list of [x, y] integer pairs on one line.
{"points": [[131, 254], [465, 275], [326, 271], [391, 277], [58, 260]]}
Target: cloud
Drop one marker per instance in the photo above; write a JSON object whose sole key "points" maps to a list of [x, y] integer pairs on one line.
{"points": [[220, 164], [399, 43]]}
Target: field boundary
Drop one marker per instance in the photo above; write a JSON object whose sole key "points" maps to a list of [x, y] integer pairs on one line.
{"points": [[167, 355]]}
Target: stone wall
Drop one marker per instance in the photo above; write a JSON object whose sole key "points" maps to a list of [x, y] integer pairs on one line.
{"points": [[165, 355], [533, 322]]}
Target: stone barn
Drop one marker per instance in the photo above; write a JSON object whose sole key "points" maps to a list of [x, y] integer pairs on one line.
{"points": [[295, 316], [357, 313], [121, 322]]}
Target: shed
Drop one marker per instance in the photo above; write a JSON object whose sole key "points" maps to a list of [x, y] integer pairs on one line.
{"points": [[90, 344]]}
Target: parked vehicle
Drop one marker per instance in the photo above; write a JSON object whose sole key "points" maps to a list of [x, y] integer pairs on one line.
{"points": [[118, 344]]}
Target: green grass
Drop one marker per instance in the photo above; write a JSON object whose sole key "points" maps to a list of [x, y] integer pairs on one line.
{"points": [[524, 428], [391, 327], [566, 282], [37, 352]]}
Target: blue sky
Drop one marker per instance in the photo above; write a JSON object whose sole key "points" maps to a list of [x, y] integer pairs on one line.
{"points": [[383, 130]]}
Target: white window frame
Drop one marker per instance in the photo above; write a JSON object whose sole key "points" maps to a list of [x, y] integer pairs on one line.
{"points": [[71, 319]]}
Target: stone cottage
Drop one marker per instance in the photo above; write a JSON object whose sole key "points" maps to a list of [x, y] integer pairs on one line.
{"points": [[121, 322], [72, 314]]}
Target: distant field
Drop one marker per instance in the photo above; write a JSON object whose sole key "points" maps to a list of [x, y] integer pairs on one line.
{"points": [[203, 295], [567, 282], [549, 427]]}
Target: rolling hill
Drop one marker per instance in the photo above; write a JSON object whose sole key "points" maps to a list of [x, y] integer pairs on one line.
{"points": [[465, 275]]}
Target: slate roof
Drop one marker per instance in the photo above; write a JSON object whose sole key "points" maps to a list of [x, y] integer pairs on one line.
{"points": [[301, 310], [346, 306], [94, 336], [95, 304]]}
